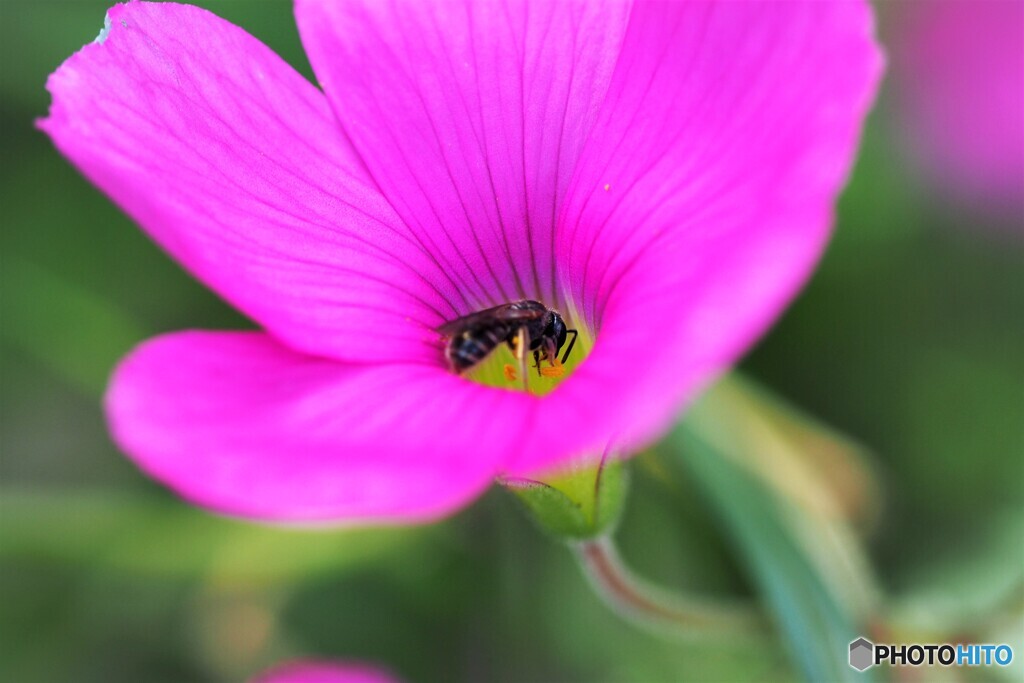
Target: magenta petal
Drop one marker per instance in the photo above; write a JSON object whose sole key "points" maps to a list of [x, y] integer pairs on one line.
{"points": [[703, 198], [235, 164], [324, 672], [240, 424], [959, 75], [470, 116]]}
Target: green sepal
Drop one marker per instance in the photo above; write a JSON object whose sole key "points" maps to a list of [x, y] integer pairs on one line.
{"points": [[582, 503]]}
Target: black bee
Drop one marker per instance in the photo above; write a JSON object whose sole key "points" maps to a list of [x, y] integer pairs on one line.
{"points": [[472, 337]]}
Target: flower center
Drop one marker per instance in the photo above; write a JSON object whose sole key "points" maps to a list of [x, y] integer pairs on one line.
{"points": [[523, 345]]}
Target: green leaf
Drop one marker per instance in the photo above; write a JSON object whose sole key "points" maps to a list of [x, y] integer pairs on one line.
{"points": [[821, 471], [797, 548], [142, 535], [966, 587]]}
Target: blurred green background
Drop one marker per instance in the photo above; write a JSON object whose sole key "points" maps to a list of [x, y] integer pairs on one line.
{"points": [[909, 339]]}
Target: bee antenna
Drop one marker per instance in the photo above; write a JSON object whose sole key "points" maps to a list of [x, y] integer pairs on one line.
{"points": [[568, 350]]}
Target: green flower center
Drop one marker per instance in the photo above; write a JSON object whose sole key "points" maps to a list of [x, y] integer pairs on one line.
{"points": [[502, 368]]}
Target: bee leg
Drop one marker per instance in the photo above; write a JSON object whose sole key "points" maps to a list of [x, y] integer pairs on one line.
{"points": [[536, 362], [550, 352]]}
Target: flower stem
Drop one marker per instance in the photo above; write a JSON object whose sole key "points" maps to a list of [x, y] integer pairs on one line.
{"points": [[658, 609]]}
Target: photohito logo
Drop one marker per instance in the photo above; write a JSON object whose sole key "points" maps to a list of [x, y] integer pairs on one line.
{"points": [[864, 654]]}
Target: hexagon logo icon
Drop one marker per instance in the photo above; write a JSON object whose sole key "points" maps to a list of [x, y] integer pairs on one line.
{"points": [[862, 653]]}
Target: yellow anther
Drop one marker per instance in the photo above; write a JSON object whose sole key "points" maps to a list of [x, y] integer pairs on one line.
{"points": [[553, 371], [510, 373]]}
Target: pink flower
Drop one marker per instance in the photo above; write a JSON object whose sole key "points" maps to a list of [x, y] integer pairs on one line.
{"points": [[324, 672], [663, 174], [959, 68]]}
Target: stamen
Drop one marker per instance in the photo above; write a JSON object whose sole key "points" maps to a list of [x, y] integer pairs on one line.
{"points": [[553, 371], [556, 369], [521, 345], [510, 372]]}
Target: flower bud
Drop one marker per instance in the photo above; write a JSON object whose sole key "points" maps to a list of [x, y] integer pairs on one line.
{"points": [[580, 503]]}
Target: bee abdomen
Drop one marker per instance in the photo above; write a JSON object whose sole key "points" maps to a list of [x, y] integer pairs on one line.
{"points": [[473, 346]]}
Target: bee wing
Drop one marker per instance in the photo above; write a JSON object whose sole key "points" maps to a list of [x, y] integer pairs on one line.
{"points": [[503, 313]]}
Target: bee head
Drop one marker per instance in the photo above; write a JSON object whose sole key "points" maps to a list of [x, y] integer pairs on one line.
{"points": [[556, 330]]}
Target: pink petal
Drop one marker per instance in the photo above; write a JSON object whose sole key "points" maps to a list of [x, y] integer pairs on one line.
{"points": [[235, 164], [703, 199], [324, 672], [959, 71], [470, 116], [240, 424]]}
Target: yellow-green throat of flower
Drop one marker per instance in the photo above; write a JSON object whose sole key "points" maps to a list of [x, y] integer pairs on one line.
{"points": [[522, 345]]}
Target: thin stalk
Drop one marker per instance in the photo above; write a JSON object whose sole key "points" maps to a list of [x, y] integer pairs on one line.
{"points": [[659, 609]]}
